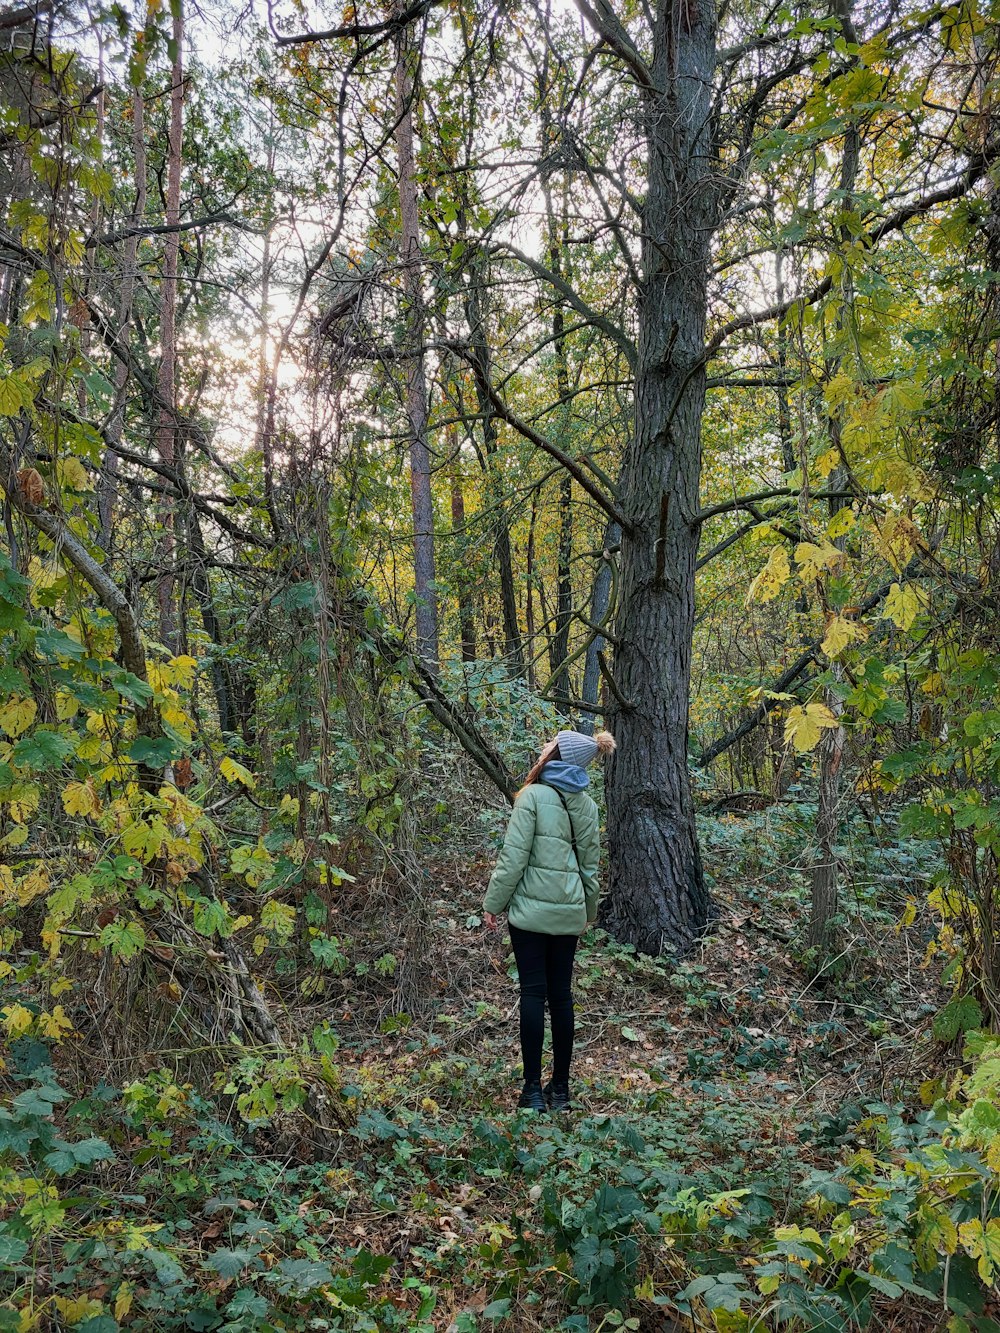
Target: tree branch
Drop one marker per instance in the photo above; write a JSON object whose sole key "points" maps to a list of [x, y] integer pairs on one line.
{"points": [[976, 170], [533, 437], [383, 27], [574, 298], [607, 26]]}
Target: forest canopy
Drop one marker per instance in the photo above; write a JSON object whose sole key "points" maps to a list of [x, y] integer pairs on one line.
{"points": [[383, 389]]}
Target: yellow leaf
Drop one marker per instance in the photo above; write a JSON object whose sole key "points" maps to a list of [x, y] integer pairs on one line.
{"points": [[983, 1244], [827, 462], [772, 577], [812, 560], [17, 837], [123, 1301], [841, 391], [54, 1025], [841, 523], [934, 684], [839, 633], [804, 726], [80, 798], [143, 840], [904, 481], [73, 475], [76, 1309], [17, 715], [16, 1019], [32, 886], [903, 605], [184, 668], [902, 397], [66, 706], [235, 772]]}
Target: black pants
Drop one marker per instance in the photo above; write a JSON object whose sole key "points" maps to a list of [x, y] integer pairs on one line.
{"points": [[545, 971]]}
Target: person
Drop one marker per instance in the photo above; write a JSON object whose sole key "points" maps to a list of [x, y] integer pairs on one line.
{"points": [[546, 881]]}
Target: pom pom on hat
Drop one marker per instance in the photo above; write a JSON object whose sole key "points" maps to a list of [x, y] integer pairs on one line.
{"points": [[605, 743]]}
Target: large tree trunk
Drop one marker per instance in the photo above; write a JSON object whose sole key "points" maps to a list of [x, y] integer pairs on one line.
{"points": [[416, 383], [657, 898]]}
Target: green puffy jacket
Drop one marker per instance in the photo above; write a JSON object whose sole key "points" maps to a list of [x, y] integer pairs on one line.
{"points": [[536, 880]]}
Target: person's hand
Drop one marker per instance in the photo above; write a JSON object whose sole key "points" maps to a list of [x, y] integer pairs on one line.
{"points": [[491, 919]]}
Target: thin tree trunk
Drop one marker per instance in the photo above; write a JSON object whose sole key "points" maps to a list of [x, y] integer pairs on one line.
{"points": [[784, 414], [463, 588], [166, 435], [559, 682], [416, 383], [107, 487], [824, 884], [210, 620], [482, 370], [657, 897], [529, 591], [599, 605]]}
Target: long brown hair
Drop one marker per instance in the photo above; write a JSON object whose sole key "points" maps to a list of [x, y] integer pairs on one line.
{"points": [[550, 751]]}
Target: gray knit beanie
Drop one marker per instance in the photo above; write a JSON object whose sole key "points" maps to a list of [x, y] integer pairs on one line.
{"points": [[576, 748]]}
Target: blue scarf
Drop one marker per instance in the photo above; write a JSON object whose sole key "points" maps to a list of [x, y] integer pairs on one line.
{"points": [[563, 776]]}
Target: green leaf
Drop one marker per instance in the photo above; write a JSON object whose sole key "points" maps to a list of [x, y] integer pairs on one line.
{"points": [[230, 1263], [497, 1309], [301, 1275], [246, 1303], [124, 938], [132, 688], [153, 753], [961, 1014], [210, 917], [53, 644], [12, 1250], [13, 681], [42, 750]]}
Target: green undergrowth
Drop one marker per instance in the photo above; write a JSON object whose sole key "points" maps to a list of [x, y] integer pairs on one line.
{"points": [[754, 1146], [141, 1208]]}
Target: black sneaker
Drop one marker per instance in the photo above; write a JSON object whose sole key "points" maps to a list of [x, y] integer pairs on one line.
{"points": [[557, 1096], [532, 1098]]}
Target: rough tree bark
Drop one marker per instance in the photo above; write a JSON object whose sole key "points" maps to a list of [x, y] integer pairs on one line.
{"points": [[656, 897], [416, 381]]}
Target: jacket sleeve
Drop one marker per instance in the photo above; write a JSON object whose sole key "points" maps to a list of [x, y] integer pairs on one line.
{"points": [[589, 847], [513, 855]]}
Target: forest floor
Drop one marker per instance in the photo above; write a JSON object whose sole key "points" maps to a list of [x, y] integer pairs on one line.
{"points": [[736, 1070], [714, 1100]]}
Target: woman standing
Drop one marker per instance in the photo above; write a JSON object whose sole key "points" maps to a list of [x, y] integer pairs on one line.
{"points": [[546, 881]]}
